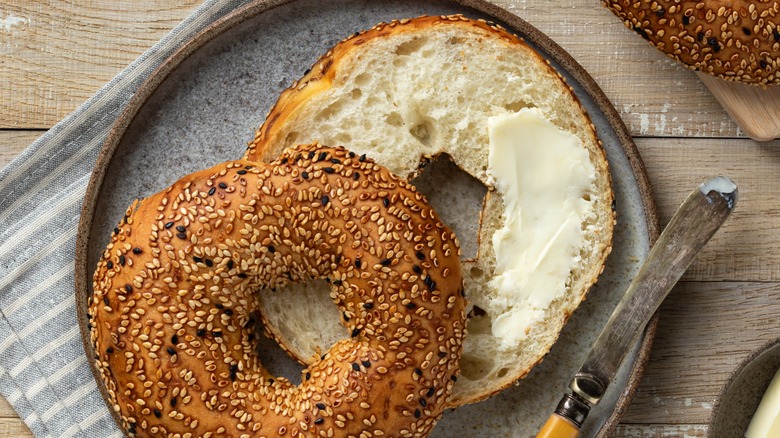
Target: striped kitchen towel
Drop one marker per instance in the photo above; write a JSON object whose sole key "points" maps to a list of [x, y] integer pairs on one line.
{"points": [[43, 370]]}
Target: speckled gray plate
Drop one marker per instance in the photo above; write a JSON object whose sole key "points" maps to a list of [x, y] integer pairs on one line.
{"points": [[742, 393], [203, 105]]}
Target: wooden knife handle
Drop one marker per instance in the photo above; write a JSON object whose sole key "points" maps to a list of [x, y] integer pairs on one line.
{"points": [[558, 427]]}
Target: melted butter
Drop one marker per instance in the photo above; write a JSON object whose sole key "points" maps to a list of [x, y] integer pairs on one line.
{"points": [[543, 175], [766, 421]]}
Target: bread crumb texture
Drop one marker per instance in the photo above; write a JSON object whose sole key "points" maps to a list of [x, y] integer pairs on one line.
{"points": [[413, 92]]}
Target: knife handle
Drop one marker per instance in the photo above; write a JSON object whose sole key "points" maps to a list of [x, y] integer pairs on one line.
{"points": [[558, 427]]}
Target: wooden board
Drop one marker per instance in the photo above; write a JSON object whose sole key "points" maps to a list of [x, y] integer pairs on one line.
{"points": [[756, 110]]}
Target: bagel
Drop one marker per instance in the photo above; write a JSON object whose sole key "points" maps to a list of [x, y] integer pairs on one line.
{"points": [[174, 301], [416, 94], [733, 40]]}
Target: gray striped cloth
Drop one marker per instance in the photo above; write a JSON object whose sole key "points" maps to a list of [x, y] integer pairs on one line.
{"points": [[44, 372]]}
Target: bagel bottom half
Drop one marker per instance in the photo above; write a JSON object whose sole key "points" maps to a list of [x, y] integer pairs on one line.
{"points": [[175, 301]]}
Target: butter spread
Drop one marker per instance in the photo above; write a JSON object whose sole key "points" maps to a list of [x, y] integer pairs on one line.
{"points": [[766, 421], [544, 175]]}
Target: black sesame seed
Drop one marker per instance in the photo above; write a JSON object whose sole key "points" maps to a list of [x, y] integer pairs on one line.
{"points": [[307, 71], [116, 230], [243, 172], [216, 334], [385, 262], [171, 351], [356, 176], [182, 236], [229, 312], [335, 161], [454, 378], [201, 333], [776, 34], [197, 259], [712, 41], [355, 332], [271, 381], [411, 305], [328, 170], [366, 363], [322, 156], [109, 350], [128, 288], [385, 202], [110, 265], [357, 263], [319, 421], [430, 392], [137, 250], [271, 249], [320, 406], [351, 154], [356, 367], [418, 371], [157, 413], [417, 413], [686, 20], [308, 376], [423, 403], [233, 372], [660, 12], [305, 175], [173, 401], [442, 354], [169, 224], [181, 228], [230, 264], [417, 270], [220, 306], [641, 32], [746, 31], [362, 158], [174, 339], [420, 255], [312, 154], [700, 36], [325, 199], [122, 260], [222, 185], [212, 191], [763, 64], [209, 263], [337, 282], [242, 276], [368, 305], [106, 302]]}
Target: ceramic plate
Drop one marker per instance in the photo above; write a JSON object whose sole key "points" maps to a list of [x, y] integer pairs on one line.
{"points": [[203, 105]]}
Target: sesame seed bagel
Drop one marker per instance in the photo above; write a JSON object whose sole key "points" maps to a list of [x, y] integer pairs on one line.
{"points": [[175, 301], [733, 40], [417, 93]]}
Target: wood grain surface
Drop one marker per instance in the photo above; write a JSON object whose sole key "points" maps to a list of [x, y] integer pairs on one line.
{"points": [[55, 54]]}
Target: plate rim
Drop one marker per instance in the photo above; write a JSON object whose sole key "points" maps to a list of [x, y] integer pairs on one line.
{"points": [[254, 9]]}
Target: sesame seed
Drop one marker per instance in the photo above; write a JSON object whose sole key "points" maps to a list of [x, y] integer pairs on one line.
{"points": [[322, 156], [243, 171], [417, 413], [122, 260], [431, 391], [169, 224], [355, 367], [355, 332], [366, 363], [357, 263], [305, 175], [417, 270], [137, 250], [423, 402], [362, 158], [320, 406], [328, 170], [110, 265], [325, 199], [212, 191], [171, 351], [368, 306], [420, 255], [157, 413], [356, 176], [418, 371], [181, 228], [128, 288], [222, 185], [319, 421]]}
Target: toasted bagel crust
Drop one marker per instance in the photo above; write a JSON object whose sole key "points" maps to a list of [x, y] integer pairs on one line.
{"points": [[734, 40], [175, 301]]}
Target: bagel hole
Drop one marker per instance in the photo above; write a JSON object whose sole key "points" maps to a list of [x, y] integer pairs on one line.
{"points": [[277, 361], [456, 196]]}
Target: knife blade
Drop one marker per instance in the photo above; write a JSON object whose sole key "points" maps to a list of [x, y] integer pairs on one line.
{"points": [[695, 222]]}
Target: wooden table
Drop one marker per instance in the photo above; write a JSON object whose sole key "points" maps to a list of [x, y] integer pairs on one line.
{"points": [[54, 55]]}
